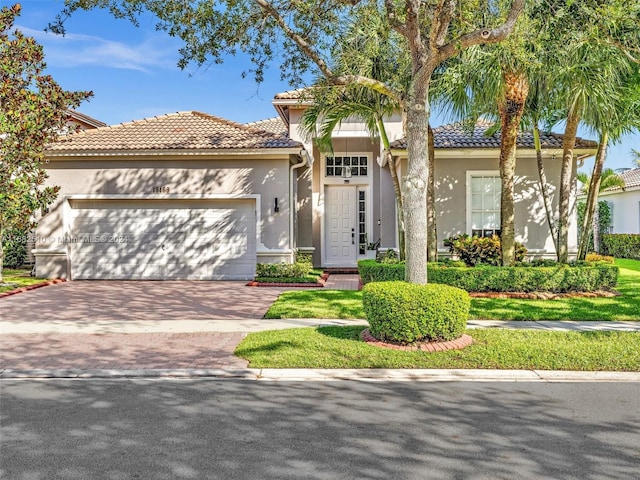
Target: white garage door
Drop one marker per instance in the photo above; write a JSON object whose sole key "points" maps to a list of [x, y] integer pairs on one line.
{"points": [[163, 239]]}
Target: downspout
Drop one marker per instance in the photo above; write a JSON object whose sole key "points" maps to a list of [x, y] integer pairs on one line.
{"points": [[305, 160]]}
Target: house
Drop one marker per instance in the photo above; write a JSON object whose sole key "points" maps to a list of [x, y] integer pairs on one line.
{"points": [[193, 196], [624, 203]]}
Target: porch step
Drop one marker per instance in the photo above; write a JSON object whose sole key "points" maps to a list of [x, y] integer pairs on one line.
{"points": [[342, 270]]}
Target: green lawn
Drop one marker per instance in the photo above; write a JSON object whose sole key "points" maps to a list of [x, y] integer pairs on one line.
{"points": [[21, 278], [348, 304], [341, 347]]}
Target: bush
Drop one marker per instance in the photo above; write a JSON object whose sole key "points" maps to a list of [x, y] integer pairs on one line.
{"points": [[404, 313], [597, 258], [621, 245], [559, 278], [14, 246], [480, 250], [282, 270], [372, 271]]}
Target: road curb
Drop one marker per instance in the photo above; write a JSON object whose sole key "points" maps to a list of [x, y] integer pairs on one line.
{"points": [[291, 375]]}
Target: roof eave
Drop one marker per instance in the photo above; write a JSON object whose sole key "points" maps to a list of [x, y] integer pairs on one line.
{"points": [[203, 153]]}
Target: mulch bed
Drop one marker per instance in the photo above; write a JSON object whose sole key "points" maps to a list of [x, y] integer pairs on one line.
{"points": [[32, 287], [457, 344], [545, 295]]}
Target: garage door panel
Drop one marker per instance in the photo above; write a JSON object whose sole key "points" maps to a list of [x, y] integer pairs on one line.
{"points": [[204, 241]]}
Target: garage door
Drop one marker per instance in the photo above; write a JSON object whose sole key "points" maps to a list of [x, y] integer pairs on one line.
{"points": [[162, 239]]}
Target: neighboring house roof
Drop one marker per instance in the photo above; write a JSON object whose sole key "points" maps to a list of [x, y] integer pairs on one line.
{"points": [[296, 94], [85, 120], [631, 180], [274, 125], [456, 136], [176, 131]]}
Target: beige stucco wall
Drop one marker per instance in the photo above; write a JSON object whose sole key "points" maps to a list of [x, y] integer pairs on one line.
{"points": [[626, 210], [268, 178], [530, 221]]}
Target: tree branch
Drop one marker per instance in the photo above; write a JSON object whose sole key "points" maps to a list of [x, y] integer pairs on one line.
{"points": [[483, 36], [297, 38], [394, 22], [441, 19]]}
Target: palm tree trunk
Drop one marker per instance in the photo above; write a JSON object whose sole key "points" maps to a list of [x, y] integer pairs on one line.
{"points": [[511, 109], [396, 186], [591, 208], [566, 176], [432, 231], [544, 191]]}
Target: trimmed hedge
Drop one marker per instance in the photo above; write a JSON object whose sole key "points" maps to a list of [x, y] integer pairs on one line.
{"points": [[557, 279], [404, 313], [621, 245], [282, 270]]}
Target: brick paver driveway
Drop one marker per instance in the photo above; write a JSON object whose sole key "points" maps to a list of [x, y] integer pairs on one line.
{"points": [[115, 303], [89, 301]]}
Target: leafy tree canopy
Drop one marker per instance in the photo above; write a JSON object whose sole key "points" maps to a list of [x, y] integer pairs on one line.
{"points": [[33, 111]]}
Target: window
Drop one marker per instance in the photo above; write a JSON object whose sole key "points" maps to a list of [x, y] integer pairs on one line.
{"points": [[353, 166], [485, 205]]}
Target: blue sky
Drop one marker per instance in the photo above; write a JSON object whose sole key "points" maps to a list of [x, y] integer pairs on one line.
{"points": [[133, 73]]}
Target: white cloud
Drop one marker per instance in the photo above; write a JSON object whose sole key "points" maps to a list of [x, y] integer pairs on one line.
{"points": [[73, 50]]}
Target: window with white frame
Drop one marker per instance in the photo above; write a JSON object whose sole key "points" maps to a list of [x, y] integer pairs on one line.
{"points": [[347, 166], [484, 204]]}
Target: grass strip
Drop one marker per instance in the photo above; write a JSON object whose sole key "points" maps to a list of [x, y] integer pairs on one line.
{"points": [[18, 278], [341, 347]]}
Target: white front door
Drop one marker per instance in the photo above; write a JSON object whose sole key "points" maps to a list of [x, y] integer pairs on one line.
{"points": [[340, 233]]}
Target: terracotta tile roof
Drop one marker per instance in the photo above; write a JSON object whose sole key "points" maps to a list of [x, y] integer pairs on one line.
{"points": [[456, 136], [631, 179], [290, 94], [175, 131], [274, 125], [86, 119]]}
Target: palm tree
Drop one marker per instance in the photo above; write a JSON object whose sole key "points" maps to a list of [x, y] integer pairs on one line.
{"points": [[608, 179], [635, 161], [332, 105]]}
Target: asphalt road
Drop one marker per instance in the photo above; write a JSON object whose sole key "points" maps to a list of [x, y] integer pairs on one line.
{"points": [[242, 429]]}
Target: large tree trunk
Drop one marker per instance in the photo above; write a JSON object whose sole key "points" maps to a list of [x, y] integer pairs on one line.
{"points": [[415, 193], [591, 208], [566, 177], [432, 231], [511, 109], [544, 191]]}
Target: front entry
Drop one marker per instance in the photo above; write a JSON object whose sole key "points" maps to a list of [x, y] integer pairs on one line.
{"points": [[341, 245]]}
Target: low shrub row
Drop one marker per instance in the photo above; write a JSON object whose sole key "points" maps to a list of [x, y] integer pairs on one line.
{"points": [[404, 313], [621, 245], [281, 270], [558, 279]]}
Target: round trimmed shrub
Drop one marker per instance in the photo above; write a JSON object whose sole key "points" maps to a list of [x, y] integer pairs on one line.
{"points": [[402, 312]]}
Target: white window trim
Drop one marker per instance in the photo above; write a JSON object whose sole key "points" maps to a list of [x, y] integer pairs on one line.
{"points": [[470, 174], [355, 180]]}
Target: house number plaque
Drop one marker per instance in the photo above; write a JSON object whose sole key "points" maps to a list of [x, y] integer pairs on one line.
{"points": [[160, 190]]}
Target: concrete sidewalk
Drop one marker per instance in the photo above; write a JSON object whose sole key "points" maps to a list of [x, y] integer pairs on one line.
{"points": [[262, 324]]}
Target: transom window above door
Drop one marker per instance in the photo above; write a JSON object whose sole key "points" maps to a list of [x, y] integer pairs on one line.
{"points": [[347, 166]]}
